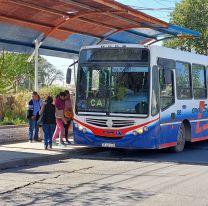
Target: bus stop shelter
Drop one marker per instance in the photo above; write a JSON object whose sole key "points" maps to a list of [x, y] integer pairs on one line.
{"points": [[60, 28]]}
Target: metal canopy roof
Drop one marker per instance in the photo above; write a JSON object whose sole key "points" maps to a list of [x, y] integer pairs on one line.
{"points": [[64, 26]]}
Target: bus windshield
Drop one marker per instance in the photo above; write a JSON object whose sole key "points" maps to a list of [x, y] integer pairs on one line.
{"points": [[113, 89]]}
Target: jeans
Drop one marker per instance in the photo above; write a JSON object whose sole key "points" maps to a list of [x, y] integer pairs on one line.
{"points": [[33, 130], [59, 129], [48, 130]]}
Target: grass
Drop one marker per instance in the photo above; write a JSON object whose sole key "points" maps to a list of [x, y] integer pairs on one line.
{"points": [[13, 121]]}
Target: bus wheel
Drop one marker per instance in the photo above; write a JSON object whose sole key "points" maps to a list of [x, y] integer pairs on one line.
{"points": [[181, 140]]}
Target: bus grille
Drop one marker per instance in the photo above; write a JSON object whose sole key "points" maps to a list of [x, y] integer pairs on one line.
{"points": [[110, 123]]}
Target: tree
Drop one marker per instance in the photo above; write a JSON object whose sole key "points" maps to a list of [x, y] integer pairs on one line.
{"points": [[192, 14], [48, 73], [14, 69], [17, 73]]}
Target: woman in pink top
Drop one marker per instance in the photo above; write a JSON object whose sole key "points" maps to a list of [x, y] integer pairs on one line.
{"points": [[60, 120], [68, 107]]}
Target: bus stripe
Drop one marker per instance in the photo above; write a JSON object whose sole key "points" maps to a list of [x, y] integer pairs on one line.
{"points": [[99, 131], [166, 145], [196, 139]]}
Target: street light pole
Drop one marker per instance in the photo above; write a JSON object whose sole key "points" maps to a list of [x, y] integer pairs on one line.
{"points": [[36, 64]]}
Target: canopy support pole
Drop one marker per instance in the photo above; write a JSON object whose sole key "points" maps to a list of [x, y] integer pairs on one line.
{"points": [[75, 78], [36, 64]]}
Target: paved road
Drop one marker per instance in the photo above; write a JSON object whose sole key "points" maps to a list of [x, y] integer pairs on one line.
{"points": [[112, 177]]}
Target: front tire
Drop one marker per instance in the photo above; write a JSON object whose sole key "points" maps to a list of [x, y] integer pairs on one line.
{"points": [[181, 140]]}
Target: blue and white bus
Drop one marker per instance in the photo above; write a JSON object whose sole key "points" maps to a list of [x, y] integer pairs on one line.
{"points": [[140, 97]]}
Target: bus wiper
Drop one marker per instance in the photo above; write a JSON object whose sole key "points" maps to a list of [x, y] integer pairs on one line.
{"points": [[72, 64]]}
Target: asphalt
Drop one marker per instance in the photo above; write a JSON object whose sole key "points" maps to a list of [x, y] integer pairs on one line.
{"points": [[111, 177], [25, 154]]}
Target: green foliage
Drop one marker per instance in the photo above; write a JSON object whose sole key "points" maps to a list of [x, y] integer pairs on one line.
{"points": [[14, 110], [11, 120], [17, 74], [50, 91], [192, 14], [14, 107], [14, 69], [121, 92], [17, 79]]}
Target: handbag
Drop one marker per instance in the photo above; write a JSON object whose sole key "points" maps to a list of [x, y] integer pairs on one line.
{"points": [[40, 120], [68, 114], [40, 117]]}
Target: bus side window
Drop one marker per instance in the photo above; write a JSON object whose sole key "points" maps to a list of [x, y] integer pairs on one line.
{"points": [[183, 80], [155, 91], [166, 88], [199, 81]]}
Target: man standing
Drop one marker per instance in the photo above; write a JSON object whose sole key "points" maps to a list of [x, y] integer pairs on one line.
{"points": [[33, 109]]}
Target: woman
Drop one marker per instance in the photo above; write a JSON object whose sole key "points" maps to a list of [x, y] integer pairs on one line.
{"points": [[48, 121], [68, 110], [60, 120]]}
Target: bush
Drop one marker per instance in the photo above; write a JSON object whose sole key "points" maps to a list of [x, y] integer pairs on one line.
{"points": [[52, 91], [13, 107]]}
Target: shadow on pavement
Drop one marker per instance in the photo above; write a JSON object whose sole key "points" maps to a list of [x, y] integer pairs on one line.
{"points": [[194, 153], [83, 194]]}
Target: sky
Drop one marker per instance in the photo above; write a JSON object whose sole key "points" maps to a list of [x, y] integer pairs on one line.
{"points": [[158, 8], [166, 5]]}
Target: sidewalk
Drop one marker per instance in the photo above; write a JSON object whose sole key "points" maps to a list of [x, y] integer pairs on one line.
{"points": [[22, 154]]}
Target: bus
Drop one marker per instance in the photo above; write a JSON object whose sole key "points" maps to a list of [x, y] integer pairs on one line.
{"points": [[140, 97]]}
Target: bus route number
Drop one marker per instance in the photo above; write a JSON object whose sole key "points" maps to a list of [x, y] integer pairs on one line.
{"points": [[96, 103]]}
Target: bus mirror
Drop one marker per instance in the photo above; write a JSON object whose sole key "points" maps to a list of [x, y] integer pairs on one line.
{"points": [[168, 76], [68, 76]]}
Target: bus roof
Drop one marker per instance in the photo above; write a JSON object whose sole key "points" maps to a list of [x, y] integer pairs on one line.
{"points": [[176, 54], [159, 51]]}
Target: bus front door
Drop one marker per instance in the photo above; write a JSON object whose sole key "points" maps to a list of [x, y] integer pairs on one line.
{"points": [[167, 100]]}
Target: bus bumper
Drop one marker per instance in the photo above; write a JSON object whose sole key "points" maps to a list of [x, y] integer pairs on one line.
{"points": [[147, 140]]}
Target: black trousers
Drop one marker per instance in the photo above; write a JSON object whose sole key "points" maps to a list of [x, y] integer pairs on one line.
{"points": [[66, 127]]}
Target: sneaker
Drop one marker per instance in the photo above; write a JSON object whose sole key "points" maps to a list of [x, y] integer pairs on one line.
{"points": [[55, 143], [50, 146], [62, 142], [30, 141], [46, 147], [68, 142]]}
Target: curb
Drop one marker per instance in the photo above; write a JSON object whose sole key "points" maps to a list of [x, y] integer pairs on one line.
{"points": [[30, 161], [46, 158], [13, 126]]}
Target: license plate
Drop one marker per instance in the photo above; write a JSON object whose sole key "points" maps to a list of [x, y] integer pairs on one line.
{"points": [[108, 145]]}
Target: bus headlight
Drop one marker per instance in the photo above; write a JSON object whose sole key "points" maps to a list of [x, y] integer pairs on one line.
{"points": [[80, 128], [140, 130], [135, 132], [84, 130], [145, 128], [76, 125]]}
